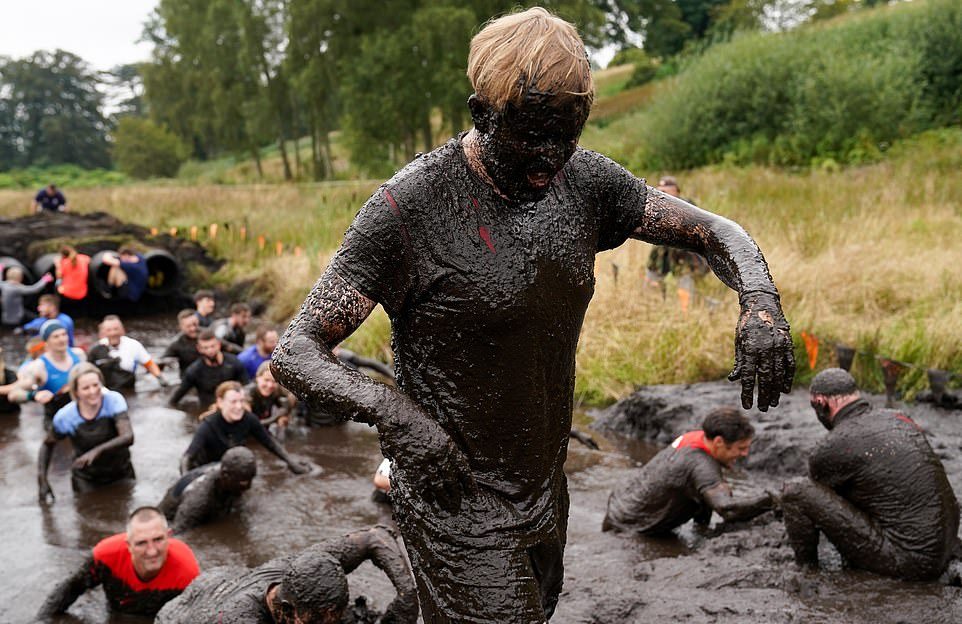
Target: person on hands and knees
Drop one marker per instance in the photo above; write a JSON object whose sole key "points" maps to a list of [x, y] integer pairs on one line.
{"points": [[209, 492], [98, 426], [140, 570], [304, 588], [875, 489], [229, 426], [482, 252], [684, 480]]}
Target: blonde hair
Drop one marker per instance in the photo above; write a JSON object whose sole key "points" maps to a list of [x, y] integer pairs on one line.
{"points": [[533, 48], [78, 371]]}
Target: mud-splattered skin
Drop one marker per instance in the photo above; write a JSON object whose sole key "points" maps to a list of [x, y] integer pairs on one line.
{"points": [[879, 493], [310, 585], [486, 296], [208, 492], [678, 484]]}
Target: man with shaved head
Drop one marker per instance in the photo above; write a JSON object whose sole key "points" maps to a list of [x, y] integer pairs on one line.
{"points": [[140, 570], [876, 489]]}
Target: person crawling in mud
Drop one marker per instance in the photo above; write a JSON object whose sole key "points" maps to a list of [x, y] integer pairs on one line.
{"points": [[209, 492], [482, 252], [684, 481], [305, 588], [876, 489], [140, 570]]}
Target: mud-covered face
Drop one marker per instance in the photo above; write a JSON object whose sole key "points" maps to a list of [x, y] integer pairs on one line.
{"points": [[524, 147], [728, 454], [823, 410]]}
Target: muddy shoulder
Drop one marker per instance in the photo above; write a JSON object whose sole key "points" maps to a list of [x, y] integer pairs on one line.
{"points": [[741, 572]]}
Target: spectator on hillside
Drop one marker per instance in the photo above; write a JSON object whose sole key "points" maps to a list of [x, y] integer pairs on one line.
{"points": [[232, 330], [73, 272], [664, 259], [265, 339], [12, 292], [128, 274], [48, 308], [206, 304], [49, 199]]}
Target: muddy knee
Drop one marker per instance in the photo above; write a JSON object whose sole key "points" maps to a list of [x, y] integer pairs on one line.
{"points": [[796, 489]]}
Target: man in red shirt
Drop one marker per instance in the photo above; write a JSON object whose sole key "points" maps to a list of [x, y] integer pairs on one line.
{"points": [[140, 570]]}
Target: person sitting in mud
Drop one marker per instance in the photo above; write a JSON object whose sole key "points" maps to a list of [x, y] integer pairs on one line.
{"points": [[49, 199], [309, 587], [211, 370], [12, 292], [229, 426], [206, 305], [97, 424], [664, 259], [265, 340], [44, 380], [271, 403], [184, 346], [48, 309], [128, 274], [876, 489], [482, 252], [209, 492], [140, 570], [73, 273], [232, 330], [684, 481], [118, 356]]}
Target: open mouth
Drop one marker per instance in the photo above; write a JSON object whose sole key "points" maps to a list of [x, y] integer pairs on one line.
{"points": [[539, 180]]}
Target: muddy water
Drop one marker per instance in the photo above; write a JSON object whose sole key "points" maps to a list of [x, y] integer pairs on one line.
{"points": [[718, 575]]}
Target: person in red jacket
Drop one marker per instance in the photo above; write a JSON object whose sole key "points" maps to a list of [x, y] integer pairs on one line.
{"points": [[73, 271], [140, 570]]}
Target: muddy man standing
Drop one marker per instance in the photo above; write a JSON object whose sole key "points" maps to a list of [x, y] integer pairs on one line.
{"points": [[482, 253]]}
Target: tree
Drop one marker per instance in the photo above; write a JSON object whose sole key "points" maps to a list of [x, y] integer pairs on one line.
{"points": [[142, 149]]}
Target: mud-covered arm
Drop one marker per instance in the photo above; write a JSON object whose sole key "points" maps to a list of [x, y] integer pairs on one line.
{"points": [[124, 437], [379, 546], [271, 444], [303, 362], [732, 509], [195, 504], [43, 465], [359, 361], [763, 342], [186, 383], [64, 594]]}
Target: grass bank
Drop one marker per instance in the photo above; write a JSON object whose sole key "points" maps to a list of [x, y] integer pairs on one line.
{"points": [[866, 256]]}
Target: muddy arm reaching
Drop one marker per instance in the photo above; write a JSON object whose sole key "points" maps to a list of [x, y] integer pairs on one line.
{"points": [[125, 437], [379, 546], [69, 590], [763, 342], [303, 362], [43, 464], [732, 509]]}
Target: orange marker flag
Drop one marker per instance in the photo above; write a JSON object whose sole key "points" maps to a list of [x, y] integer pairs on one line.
{"points": [[811, 347], [243, 232], [153, 231], [684, 298], [279, 247], [261, 241], [298, 251], [193, 232], [173, 231], [212, 231]]}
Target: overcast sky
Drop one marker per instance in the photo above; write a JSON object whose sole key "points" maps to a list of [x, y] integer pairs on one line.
{"points": [[102, 32]]}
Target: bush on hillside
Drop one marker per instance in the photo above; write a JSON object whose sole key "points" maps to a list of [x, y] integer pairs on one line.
{"points": [[64, 176], [839, 91], [142, 149]]}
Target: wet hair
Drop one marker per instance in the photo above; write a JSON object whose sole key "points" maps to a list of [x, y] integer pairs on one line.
{"points": [[68, 253], [203, 294], [239, 308], [206, 334], [239, 463], [729, 423], [73, 379], [316, 586], [531, 49], [833, 382], [263, 368], [143, 514], [262, 330], [186, 312], [53, 300], [226, 387]]}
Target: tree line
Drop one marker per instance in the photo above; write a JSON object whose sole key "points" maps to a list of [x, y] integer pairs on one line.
{"points": [[232, 76]]}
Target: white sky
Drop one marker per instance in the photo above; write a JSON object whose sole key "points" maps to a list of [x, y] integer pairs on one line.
{"points": [[102, 32]]}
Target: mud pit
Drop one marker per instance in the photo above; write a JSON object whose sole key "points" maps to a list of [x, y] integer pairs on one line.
{"points": [[738, 576]]}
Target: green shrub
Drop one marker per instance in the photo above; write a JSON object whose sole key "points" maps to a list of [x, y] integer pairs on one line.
{"points": [[142, 149], [64, 176]]}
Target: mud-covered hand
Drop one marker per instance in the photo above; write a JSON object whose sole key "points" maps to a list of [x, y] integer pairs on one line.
{"points": [[86, 459], [432, 463], [763, 349]]}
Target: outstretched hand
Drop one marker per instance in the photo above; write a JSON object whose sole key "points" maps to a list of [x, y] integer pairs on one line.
{"points": [[434, 465], [763, 349]]}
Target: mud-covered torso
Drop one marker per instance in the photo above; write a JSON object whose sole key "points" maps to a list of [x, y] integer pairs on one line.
{"points": [[215, 436], [665, 493], [110, 465], [226, 595], [880, 461], [487, 299]]}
